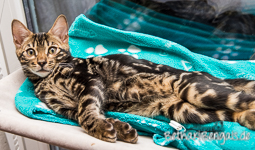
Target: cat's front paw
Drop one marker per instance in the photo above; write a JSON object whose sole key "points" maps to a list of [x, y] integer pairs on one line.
{"points": [[125, 132], [104, 130]]}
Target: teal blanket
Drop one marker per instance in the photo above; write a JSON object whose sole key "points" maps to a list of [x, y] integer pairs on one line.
{"points": [[88, 39], [197, 37]]}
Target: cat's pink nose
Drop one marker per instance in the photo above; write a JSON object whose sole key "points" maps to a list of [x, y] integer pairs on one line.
{"points": [[42, 63]]}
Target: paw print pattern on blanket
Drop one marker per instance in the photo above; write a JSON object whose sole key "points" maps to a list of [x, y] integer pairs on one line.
{"points": [[97, 51], [227, 53], [187, 65], [100, 49], [132, 50]]}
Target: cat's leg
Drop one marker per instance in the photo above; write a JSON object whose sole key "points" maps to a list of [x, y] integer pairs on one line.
{"points": [[179, 110], [92, 120], [59, 102], [205, 91], [184, 112], [247, 86], [125, 132], [245, 118]]}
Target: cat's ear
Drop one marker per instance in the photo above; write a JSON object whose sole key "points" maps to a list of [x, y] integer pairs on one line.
{"points": [[19, 32], [60, 28]]}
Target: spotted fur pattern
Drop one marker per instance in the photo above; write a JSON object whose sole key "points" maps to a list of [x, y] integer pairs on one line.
{"points": [[82, 89]]}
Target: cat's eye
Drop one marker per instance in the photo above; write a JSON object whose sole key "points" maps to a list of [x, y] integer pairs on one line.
{"points": [[30, 52], [52, 50]]}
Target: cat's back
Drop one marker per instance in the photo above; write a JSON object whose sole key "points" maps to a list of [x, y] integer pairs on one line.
{"points": [[128, 60], [141, 65]]}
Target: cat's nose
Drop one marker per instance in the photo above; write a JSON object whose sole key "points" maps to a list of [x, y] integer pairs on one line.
{"points": [[42, 63]]}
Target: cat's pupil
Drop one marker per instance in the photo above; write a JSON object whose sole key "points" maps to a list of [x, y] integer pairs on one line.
{"points": [[52, 50], [30, 52]]}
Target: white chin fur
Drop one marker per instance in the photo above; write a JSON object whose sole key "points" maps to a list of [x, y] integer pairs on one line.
{"points": [[41, 74]]}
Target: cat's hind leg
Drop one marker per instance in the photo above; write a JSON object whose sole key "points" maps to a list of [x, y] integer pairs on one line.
{"points": [[245, 118], [247, 86], [179, 110], [206, 91], [184, 112], [187, 113]]}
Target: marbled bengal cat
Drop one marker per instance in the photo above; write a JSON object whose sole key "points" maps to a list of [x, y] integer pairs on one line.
{"points": [[82, 89]]}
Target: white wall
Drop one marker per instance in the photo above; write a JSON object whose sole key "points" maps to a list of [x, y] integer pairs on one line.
{"points": [[9, 10]]}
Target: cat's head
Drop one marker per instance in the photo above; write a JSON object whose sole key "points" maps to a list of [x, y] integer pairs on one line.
{"points": [[39, 53]]}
